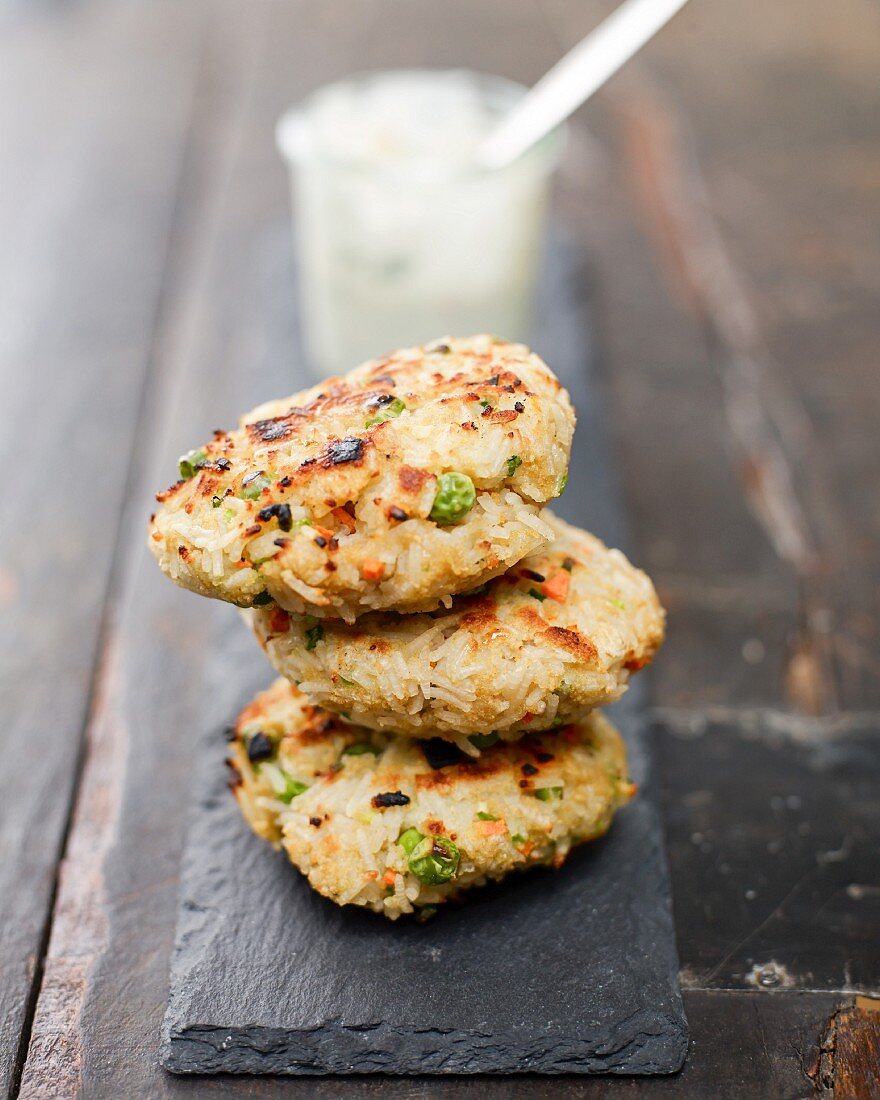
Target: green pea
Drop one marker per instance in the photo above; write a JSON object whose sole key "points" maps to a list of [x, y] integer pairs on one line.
{"points": [[455, 498], [190, 464], [293, 788], [513, 464], [387, 412], [253, 485], [549, 794], [483, 740], [409, 839], [434, 860]]}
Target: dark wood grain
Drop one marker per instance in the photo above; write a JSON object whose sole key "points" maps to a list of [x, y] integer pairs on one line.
{"points": [[725, 194], [92, 137]]}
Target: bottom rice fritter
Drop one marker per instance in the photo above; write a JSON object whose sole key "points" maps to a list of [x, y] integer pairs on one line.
{"points": [[398, 825]]}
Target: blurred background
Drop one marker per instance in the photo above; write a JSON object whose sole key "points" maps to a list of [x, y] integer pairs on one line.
{"points": [[714, 213]]}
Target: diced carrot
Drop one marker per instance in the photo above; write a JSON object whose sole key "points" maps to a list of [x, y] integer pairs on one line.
{"points": [[279, 620], [324, 532], [526, 848], [389, 878], [372, 569], [345, 518], [492, 828], [556, 587], [156, 536]]}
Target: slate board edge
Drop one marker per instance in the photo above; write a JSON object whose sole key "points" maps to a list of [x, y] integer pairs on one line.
{"points": [[337, 1049]]}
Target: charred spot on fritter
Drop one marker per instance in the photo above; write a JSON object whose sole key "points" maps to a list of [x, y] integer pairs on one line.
{"points": [[281, 512], [481, 612], [440, 753], [273, 430], [471, 770], [350, 449], [412, 480], [259, 747], [389, 798], [573, 641]]}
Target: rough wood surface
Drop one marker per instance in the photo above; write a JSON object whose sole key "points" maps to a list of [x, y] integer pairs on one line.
{"points": [[92, 134], [726, 197]]}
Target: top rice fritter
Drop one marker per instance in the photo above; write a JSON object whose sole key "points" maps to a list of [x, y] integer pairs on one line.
{"points": [[416, 476], [557, 635]]}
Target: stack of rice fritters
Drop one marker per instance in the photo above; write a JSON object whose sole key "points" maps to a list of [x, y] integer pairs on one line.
{"points": [[443, 640]]}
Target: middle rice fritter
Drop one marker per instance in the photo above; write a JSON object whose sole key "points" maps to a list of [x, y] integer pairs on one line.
{"points": [[556, 636]]}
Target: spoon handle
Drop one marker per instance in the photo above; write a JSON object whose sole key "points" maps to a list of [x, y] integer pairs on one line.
{"points": [[574, 78]]}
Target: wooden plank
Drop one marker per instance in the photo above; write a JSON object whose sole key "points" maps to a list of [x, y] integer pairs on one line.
{"points": [[92, 141], [763, 283], [225, 346]]}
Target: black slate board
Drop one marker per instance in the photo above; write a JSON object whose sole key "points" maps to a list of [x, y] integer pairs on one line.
{"points": [[573, 971]]}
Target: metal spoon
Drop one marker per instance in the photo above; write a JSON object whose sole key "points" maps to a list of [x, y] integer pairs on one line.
{"points": [[575, 78]]}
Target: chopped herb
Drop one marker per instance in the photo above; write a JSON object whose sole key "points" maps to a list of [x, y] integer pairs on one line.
{"points": [[434, 860], [253, 485], [261, 599], [389, 798], [517, 839], [361, 749], [301, 523], [486, 817], [529, 769], [425, 912], [391, 408], [439, 349], [513, 464], [190, 464], [563, 481], [483, 740], [455, 498], [313, 635], [260, 747], [619, 604], [549, 794], [485, 403], [409, 838], [216, 501], [537, 595], [292, 790]]}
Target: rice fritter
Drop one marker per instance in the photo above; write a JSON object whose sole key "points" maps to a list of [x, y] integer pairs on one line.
{"points": [[557, 635], [397, 825], [416, 476]]}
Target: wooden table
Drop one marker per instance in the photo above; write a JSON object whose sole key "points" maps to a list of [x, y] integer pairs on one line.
{"points": [[727, 197]]}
